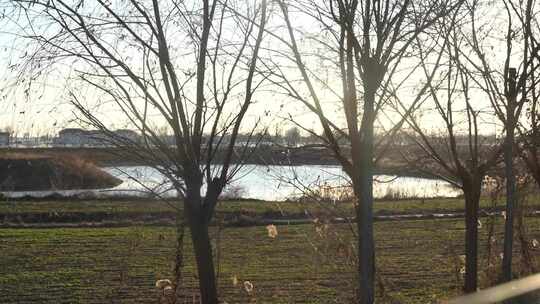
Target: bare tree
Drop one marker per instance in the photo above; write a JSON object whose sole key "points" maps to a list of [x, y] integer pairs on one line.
{"points": [[506, 85], [460, 154], [188, 65], [292, 137], [363, 43], [528, 128]]}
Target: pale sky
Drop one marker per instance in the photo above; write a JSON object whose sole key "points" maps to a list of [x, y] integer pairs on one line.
{"points": [[47, 110]]}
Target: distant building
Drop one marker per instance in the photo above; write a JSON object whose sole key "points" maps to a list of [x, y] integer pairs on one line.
{"points": [[71, 137], [93, 138], [4, 139], [128, 134]]}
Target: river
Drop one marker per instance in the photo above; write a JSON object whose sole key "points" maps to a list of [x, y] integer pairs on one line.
{"points": [[278, 183], [270, 183]]}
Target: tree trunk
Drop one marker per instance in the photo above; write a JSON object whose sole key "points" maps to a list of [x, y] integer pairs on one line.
{"points": [[472, 200], [366, 246], [510, 124], [364, 210], [510, 202], [198, 226], [205, 262]]}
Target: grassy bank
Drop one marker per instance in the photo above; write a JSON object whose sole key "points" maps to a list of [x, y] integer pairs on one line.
{"points": [[417, 262], [137, 211]]}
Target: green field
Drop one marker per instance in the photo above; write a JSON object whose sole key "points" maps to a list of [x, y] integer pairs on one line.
{"points": [[418, 261], [144, 210], [156, 206]]}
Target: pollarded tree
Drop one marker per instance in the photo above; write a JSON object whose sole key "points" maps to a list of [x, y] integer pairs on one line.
{"points": [[528, 127], [363, 46], [457, 149], [187, 65], [503, 67]]}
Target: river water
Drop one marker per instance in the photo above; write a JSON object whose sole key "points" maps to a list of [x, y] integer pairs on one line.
{"points": [[270, 183], [278, 183]]}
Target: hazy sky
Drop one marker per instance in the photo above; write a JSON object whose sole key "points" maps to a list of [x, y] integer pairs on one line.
{"points": [[46, 109]]}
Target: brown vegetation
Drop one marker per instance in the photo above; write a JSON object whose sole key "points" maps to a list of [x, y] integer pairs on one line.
{"points": [[33, 172]]}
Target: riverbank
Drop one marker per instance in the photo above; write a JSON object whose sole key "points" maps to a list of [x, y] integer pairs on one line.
{"points": [[37, 172], [231, 213]]}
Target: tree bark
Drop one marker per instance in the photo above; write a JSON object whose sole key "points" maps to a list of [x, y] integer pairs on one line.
{"points": [[364, 192], [472, 200], [198, 226], [510, 202], [366, 246], [510, 125], [205, 263]]}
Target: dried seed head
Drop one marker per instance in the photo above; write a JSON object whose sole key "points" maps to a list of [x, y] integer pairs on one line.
{"points": [[272, 231], [161, 284], [248, 286]]}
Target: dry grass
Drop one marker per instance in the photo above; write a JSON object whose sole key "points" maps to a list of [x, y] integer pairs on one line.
{"points": [[33, 172], [302, 264]]}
